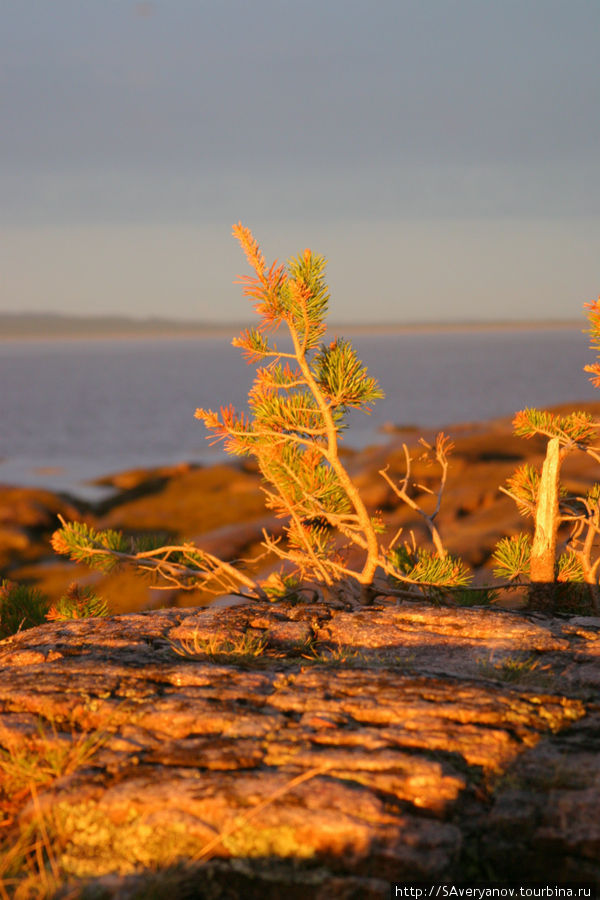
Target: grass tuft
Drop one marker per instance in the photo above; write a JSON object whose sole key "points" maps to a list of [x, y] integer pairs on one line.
{"points": [[514, 669], [246, 646]]}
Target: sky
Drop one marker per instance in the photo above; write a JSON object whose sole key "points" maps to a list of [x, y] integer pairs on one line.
{"points": [[443, 155]]}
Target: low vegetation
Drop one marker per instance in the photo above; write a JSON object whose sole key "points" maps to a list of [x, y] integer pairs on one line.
{"points": [[332, 545], [297, 414], [29, 849], [245, 647]]}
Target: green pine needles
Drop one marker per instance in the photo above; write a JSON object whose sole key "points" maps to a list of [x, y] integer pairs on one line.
{"points": [[78, 603]]}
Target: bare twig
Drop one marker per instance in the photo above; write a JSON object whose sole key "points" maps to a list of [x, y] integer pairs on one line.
{"points": [[401, 491]]}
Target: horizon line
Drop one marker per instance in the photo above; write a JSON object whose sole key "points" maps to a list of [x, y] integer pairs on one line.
{"points": [[31, 323]]}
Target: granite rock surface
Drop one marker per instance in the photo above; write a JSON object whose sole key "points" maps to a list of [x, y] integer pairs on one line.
{"points": [[306, 751]]}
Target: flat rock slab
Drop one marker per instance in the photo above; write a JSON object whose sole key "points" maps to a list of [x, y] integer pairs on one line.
{"points": [[301, 750]]}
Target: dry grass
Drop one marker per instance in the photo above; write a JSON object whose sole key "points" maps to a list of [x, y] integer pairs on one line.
{"points": [[30, 844], [216, 647]]}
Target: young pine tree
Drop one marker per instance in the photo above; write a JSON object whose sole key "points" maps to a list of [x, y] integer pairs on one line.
{"points": [[297, 413], [297, 408], [539, 494]]}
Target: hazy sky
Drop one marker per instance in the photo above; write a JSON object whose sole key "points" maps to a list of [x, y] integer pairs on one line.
{"points": [[444, 155]]}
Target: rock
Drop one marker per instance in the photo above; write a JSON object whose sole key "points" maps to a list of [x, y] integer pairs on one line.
{"points": [[232, 541], [136, 482], [13, 541], [271, 750], [31, 507], [27, 517], [190, 502], [221, 508]]}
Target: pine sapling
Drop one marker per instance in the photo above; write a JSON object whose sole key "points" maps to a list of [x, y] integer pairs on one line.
{"points": [[297, 414], [539, 494]]}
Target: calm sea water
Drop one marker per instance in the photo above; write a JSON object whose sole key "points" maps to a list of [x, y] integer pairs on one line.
{"points": [[74, 410]]}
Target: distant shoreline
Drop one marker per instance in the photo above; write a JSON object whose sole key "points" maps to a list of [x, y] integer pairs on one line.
{"points": [[16, 327]]}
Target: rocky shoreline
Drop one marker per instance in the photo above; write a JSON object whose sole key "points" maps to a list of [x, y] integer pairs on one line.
{"points": [[221, 508]]}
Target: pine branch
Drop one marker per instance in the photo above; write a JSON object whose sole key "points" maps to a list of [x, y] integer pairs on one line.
{"points": [[184, 566], [424, 567], [570, 568], [523, 487], [21, 607], [594, 332], [343, 379], [77, 603], [578, 428], [512, 556], [297, 413]]}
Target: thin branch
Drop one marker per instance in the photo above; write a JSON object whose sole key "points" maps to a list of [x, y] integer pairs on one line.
{"points": [[402, 493], [395, 539]]}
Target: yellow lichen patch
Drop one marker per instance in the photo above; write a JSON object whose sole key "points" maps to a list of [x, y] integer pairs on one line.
{"points": [[557, 716], [256, 841], [96, 845]]}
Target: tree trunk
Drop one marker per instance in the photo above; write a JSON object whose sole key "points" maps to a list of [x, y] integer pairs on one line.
{"points": [[543, 552]]}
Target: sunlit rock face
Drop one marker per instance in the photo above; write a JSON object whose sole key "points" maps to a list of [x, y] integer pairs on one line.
{"points": [[303, 750]]}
